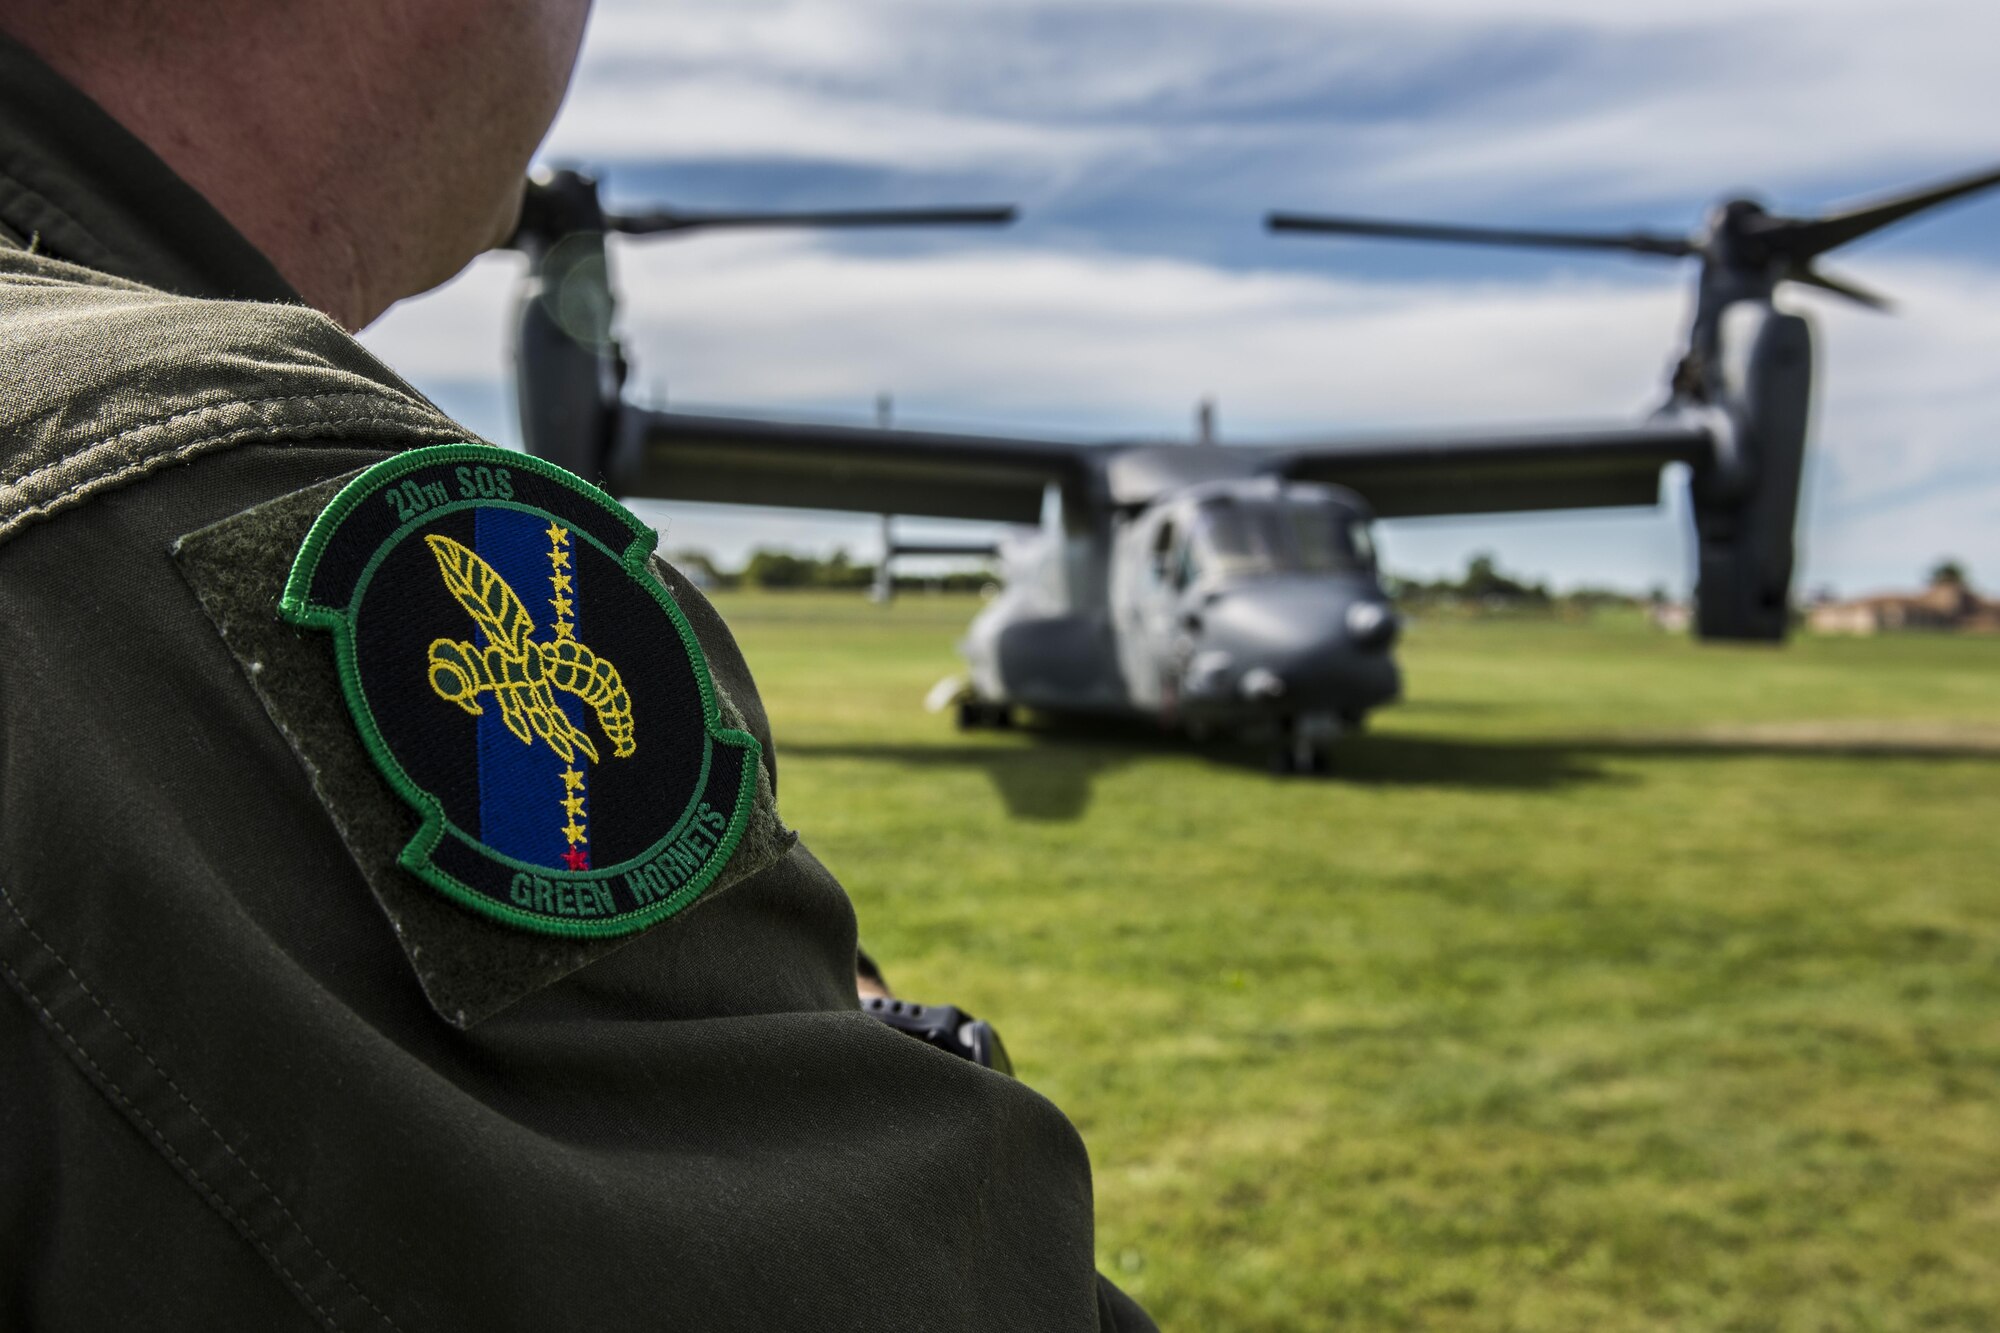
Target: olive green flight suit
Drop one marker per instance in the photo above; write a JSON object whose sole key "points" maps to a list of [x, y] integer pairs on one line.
{"points": [[230, 1094]]}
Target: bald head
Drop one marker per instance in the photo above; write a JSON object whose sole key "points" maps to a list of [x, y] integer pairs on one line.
{"points": [[369, 148]]}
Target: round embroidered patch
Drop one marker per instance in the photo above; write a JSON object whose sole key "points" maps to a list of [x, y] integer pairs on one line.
{"points": [[523, 682]]}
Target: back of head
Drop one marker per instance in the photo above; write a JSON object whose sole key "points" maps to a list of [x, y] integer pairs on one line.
{"points": [[369, 148]]}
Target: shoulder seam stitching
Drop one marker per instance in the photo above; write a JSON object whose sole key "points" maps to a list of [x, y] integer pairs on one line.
{"points": [[12, 519], [208, 1191], [386, 397]]}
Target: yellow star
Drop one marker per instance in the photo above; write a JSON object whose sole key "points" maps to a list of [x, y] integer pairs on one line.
{"points": [[564, 629], [561, 581], [558, 557], [561, 604], [573, 804], [572, 780], [573, 831], [558, 536]]}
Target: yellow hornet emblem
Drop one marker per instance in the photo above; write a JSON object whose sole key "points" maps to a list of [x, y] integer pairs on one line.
{"points": [[521, 673]]}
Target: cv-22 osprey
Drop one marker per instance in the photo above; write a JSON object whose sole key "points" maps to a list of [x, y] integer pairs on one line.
{"points": [[1227, 589]]}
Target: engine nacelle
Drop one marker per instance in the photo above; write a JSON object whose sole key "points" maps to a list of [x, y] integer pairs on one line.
{"points": [[1746, 503]]}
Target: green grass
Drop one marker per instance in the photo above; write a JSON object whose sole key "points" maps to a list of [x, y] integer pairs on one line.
{"points": [[1611, 983]]}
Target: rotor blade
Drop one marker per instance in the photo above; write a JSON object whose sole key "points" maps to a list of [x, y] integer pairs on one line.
{"points": [[1812, 277], [1637, 242], [1803, 240], [670, 219]]}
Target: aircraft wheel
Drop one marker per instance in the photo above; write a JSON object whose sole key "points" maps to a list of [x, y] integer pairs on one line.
{"points": [[1302, 756], [976, 713]]}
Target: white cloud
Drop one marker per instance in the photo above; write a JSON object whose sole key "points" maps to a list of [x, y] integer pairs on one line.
{"points": [[1605, 102], [1140, 108], [1760, 99], [1914, 399], [459, 332], [1115, 345], [1116, 339], [1125, 341], [720, 116]]}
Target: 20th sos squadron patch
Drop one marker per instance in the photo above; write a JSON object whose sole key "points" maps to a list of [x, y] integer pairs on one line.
{"points": [[523, 682]]}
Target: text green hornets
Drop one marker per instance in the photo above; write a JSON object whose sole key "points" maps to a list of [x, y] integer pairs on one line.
{"points": [[670, 868]]}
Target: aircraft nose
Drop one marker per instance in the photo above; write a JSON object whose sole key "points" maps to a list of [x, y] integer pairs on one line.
{"points": [[1371, 623], [1304, 644], [1287, 621]]}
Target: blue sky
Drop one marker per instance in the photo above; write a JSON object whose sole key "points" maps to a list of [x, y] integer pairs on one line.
{"points": [[1144, 140]]}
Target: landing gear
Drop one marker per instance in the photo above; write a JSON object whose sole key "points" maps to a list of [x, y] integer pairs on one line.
{"points": [[1298, 758], [1305, 746], [976, 713]]}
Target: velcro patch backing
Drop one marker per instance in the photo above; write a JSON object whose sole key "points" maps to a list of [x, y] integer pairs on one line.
{"points": [[521, 916]]}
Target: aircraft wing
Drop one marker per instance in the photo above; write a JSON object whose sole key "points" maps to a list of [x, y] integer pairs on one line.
{"points": [[1574, 469], [810, 465], [740, 460]]}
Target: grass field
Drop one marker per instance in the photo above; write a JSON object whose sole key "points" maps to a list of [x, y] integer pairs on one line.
{"points": [[1610, 983]]}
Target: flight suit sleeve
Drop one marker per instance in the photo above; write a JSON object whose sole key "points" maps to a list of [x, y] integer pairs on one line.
{"points": [[697, 1128]]}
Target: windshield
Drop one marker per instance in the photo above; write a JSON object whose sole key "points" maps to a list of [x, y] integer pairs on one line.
{"points": [[1233, 537]]}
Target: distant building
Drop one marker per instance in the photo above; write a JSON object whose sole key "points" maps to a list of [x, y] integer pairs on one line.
{"points": [[1947, 604], [1672, 617]]}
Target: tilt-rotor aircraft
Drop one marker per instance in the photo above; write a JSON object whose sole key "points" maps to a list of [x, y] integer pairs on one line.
{"points": [[1225, 589]]}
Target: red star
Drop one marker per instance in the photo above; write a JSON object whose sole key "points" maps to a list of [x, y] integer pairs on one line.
{"points": [[577, 858]]}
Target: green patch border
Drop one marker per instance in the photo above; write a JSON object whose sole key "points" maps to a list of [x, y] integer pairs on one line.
{"points": [[296, 607]]}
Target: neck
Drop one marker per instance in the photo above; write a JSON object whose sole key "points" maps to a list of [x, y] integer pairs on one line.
{"points": [[330, 156]]}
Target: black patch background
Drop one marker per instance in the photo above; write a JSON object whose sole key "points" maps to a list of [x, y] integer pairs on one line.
{"points": [[372, 520], [470, 966], [632, 802]]}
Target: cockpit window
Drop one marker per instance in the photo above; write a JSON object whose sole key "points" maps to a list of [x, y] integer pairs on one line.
{"points": [[1316, 537], [1236, 538], [1363, 538], [1328, 539], [1245, 537]]}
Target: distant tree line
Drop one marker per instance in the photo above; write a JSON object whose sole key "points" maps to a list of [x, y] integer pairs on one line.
{"points": [[1950, 570], [778, 569], [1483, 588], [1486, 588]]}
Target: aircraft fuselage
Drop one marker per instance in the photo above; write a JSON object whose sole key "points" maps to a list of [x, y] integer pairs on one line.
{"points": [[1250, 607]]}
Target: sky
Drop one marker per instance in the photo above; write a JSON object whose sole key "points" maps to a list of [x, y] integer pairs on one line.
{"points": [[1145, 139]]}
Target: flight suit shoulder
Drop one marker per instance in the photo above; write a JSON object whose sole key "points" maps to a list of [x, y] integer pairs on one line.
{"points": [[103, 382]]}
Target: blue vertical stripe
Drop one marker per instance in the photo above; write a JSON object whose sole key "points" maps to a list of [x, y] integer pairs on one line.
{"points": [[579, 713], [521, 786]]}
